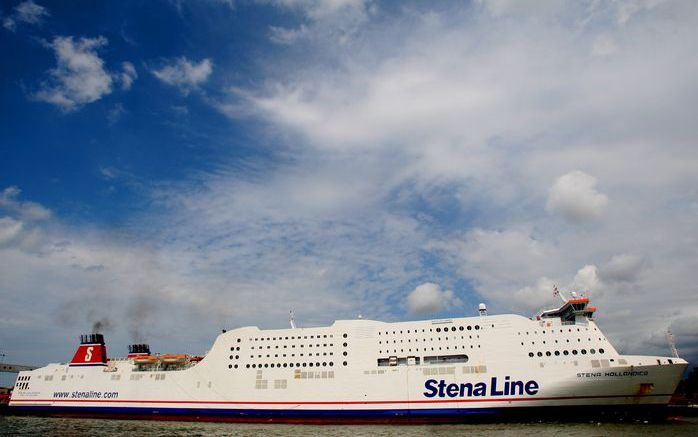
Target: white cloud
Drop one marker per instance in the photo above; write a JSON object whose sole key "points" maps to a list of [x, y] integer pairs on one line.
{"points": [[25, 209], [9, 229], [586, 279], [185, 74], [336, 21], [623, 268], [575, 198], [80, 77], [282, 35], [322, 9], [429, 298], [26, 12], [128, 75], [113, 116]]}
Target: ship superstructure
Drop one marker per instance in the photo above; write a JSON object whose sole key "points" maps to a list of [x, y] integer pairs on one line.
{"points": [[446, 370]]}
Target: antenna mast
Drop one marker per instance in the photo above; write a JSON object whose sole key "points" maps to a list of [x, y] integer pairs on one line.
{"points": [[672, 343], [292, 319], [558, 293]]}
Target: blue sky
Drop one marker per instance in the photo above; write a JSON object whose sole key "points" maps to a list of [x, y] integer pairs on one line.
{"points": [[171, 168]]}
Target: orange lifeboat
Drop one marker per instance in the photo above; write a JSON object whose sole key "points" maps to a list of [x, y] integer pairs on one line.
{"points": [[173, 359], [145, 359]]}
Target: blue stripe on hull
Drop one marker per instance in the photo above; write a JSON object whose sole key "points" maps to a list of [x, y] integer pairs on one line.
{"points": [[440, 415]]}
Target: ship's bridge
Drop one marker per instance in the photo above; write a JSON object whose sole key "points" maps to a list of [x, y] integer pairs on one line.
{"points": [[570, 310]]}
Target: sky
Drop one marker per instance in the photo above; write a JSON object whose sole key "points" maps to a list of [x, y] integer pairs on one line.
{"points": [[169, 169]]}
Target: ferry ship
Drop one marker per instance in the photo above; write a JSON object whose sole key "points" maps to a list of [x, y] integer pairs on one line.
{"points": [[558, 365]]}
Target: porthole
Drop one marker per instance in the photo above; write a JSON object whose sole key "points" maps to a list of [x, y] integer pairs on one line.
{"points": [[344, 353], [345, 345], [460, 328], [438, 329], [344, 363], [238, 340], [230, 366], [236, 366], [247, 366], [592, 351], [540, 354], [331, 364], [574, 351], [557, 353], [469, 327], [345, 335], [600, 351], [310, 364], [530, 354], [547, 354], [584, 351], [565, 353]]}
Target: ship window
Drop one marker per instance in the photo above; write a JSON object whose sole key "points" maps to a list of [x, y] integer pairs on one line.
{"points": [[345, 335], [438, 329], [530, 354], [469, 327], [344, 363], [593, 351], [547, 353], [460, 328], [574, 351], [584, 351], [600, 351], [444, 359]]}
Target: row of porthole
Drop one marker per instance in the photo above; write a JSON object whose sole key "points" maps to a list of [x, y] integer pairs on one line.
{"points": [[425, 349], [430, 339], [293, 346], [557, 353], [279, 365], [324, 354], [543, 331], [579, 340], [453, 329], [305, 337]]}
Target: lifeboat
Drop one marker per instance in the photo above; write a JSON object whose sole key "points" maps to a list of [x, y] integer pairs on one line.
{"points": [[174, 359], [146, 359]]}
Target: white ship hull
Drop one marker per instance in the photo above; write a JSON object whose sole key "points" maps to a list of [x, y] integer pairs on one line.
{"points": [[442, 371]]}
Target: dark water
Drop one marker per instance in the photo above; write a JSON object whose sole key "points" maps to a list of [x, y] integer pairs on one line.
{"points": [[31, 426]]}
